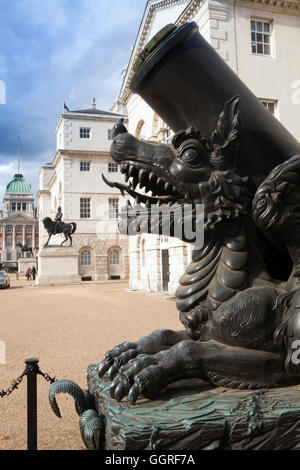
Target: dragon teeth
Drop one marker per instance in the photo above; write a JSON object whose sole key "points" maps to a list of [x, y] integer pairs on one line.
{"points": [[131, 170], [134, 182], [152, 177], [142, 177], [168, 187]]}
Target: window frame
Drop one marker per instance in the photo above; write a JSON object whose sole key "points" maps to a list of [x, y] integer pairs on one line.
{"points": [[84, 165], [112, 165], [112, 257], [267, 101], [84, 130], [113, 210], [83, 201], [83, 257], [263, 32]]}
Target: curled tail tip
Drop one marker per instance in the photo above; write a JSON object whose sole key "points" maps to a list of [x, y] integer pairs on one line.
{"points": [[81, 397]]}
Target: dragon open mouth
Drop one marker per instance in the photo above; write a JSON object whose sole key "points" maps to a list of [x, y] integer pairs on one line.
{"points": [[164, 189]]}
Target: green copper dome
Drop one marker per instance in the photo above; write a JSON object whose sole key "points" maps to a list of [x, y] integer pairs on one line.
{"points": [[18, 186]]}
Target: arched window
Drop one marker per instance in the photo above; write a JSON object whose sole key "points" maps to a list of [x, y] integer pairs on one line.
{"points": [[114, 257], [85, 258], [139, 128]]}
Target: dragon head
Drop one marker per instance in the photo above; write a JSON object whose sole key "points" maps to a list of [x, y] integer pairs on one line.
{"points": [[192, 170]]}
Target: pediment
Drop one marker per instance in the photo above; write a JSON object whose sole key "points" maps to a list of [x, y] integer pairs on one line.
{"points": [[18, 219]]}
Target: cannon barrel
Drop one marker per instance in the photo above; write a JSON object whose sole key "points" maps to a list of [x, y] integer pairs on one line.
{"points": [[187, 83]]}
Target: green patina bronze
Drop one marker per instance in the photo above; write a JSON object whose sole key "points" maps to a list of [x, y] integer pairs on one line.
{"points": [[152, 44], [18, 186]]}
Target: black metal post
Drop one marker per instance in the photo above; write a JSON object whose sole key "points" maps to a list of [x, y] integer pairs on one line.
{"points": [[32, 369]]}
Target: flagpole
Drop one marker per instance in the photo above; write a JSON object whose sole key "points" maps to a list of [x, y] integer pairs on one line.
{"points": [[18, 140]]}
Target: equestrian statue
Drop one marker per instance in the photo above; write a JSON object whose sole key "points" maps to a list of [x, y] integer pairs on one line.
{"points": [[57, 226]]}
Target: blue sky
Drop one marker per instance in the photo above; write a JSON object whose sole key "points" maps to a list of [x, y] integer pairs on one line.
{"points": [[51, 52]]}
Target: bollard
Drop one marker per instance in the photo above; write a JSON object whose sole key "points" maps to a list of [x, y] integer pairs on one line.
{"points": [[32, 369]]}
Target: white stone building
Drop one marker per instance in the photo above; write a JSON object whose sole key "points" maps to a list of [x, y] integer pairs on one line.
{"points": [[260, 41], [73, 181], [18, 222]]}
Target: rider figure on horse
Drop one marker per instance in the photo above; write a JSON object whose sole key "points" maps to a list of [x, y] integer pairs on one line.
{"points": [[58, 220]]}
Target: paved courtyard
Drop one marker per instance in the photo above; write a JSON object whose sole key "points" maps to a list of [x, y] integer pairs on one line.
{"points": [[67, 328]]}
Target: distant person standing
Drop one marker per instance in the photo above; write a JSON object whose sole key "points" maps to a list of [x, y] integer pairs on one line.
{"points": [[33, 272], [28, 273]]}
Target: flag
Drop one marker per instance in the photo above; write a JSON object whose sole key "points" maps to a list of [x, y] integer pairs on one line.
{"points": [[66, 107]]}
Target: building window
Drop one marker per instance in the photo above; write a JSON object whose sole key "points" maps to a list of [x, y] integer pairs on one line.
{"points": [[9, 240], [8, 256], [19, 206], [113, 205], [85, 258], [19, 229], [24, 206], [109, 134], [261, 37], [28, 241], [19, 240], [112, 167], [9, 229], [85, 208], [114, 257], [85, 133], [271, 106], [85, 166], [13, 206], [28, 229]]}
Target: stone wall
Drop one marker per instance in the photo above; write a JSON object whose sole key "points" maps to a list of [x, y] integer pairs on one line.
{"points": [[100, 246]]}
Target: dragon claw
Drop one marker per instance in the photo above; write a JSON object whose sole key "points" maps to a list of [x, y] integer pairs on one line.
{"points": [[112, 371], [121, 390], [134, 393], [103, 367]]}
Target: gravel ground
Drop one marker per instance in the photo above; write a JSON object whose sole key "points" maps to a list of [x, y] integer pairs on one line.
{"points": [[67, 328]]}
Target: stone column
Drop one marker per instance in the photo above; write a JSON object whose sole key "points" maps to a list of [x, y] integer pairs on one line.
{"points": [[14, 238], [3, 236], [33, 236], [23, 242]]}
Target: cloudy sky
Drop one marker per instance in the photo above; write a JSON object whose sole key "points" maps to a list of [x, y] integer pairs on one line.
{"points": [[51, 52]]}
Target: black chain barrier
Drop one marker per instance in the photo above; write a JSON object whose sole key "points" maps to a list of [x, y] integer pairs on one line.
{"points": [[31, 371]]}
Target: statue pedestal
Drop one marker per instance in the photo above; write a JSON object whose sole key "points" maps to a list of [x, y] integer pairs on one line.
{"points": [[25, 263], [57, 265], [191, 415]]}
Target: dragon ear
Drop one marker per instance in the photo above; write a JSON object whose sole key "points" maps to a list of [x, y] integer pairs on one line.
{"points": [[190, 133], [225, 139]]}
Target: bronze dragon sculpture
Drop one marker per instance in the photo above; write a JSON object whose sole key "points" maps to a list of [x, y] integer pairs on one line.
{"points": [[240, 310], [230, 299], [239, 298]]}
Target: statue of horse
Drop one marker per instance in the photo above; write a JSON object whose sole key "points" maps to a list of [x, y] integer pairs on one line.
{"points": [[54, 228], [26, 249]]}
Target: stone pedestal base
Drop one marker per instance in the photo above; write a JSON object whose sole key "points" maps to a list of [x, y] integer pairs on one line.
{"points": [[191, 415], [25, 263], [57, 265]]}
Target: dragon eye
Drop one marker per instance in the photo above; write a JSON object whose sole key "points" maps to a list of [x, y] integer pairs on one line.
{"points": [[190, 156]]}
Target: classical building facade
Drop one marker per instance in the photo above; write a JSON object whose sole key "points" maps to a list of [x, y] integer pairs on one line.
{"points": [[259, 40], [73, 181], [18, 222]]}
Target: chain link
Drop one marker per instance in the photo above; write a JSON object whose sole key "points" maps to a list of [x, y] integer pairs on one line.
{"points": [[47, 377], [15, 383]]}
